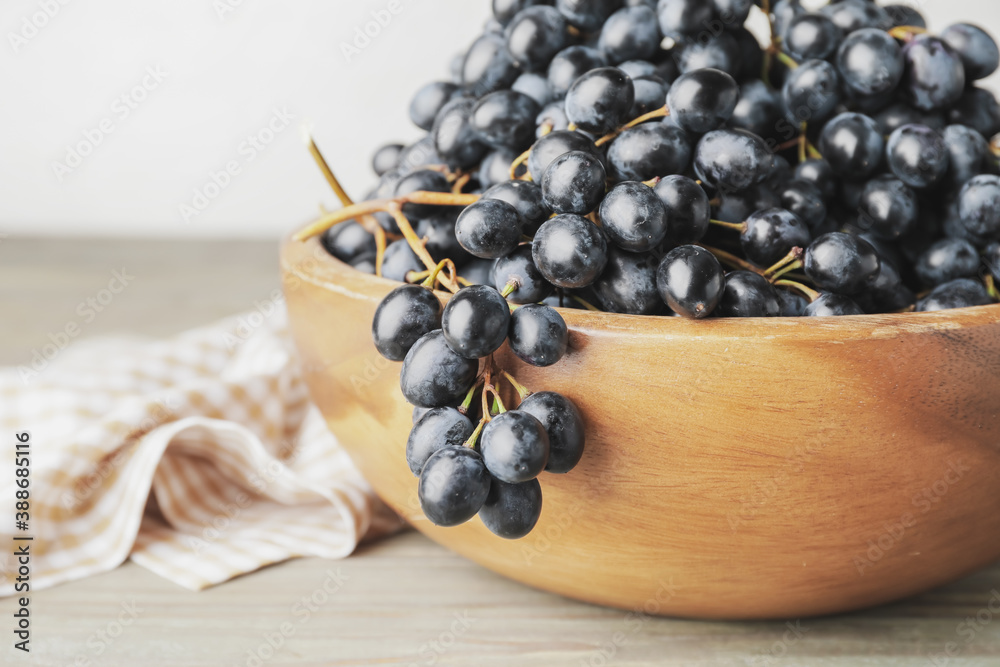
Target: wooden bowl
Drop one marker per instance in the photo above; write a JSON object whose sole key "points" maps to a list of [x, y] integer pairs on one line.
{"points": [[742, 468]]}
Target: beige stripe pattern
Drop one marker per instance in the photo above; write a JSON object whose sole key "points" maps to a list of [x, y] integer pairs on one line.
{"points": [[200, 457]]}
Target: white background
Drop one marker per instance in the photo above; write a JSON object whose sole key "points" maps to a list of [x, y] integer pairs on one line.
{"points": [[226, 71]]}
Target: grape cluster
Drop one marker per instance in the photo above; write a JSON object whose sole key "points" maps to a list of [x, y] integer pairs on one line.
{"points": [[652, 158], [490, 469]]}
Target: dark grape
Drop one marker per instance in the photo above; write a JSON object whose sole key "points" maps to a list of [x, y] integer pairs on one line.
{"points": [[633, 217], [488, 66], [732, 159], [719, 52], [650, 94], [691, 281], [702, 100], [805, 200], [574, 183], [771, 234], [679, 18], [512, 510], [599, 101], [811, 36], [870, 61], [888, 207], [832, 305], [535, 35], [819, 173], [554, 145], [524, 196], [947, 260], [348, 241], [967, 150], [587, 15], [563, 424], [811, 92], [386, 158], [399, 260], [851, 15], [841, 263], [748, 294], [570, 64], [518, 266], [475, 321], [934, 76], [759, 110], [538, 335], [536, 86], [978, 109], [961, 293], [631, 33], [687, 209], [455, 137], [506, 119], [977, 50], [647, 151], [433, 375], [570, 251], [515, 447], [454, 485], [406, 315], [490, 228], [917, 155], [628, 284], [429, 101], [852, 144], [436, 429]]}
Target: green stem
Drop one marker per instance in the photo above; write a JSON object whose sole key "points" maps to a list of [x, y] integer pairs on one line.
{"points": [[474, 438], [467, 403], [522, 391], [797, 264], [793, 255], [737, 226], [785, 59], [511, 286], [810, 294], [585, 304]]}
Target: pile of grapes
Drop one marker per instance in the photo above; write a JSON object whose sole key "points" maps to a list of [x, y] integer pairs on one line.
{"points": [[652, 158]]}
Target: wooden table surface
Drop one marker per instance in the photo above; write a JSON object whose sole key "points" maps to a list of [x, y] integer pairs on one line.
{"points": [[404, 600]]}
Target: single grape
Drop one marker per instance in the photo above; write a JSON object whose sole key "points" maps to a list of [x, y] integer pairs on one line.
{"points": [[574, 183], [628, 284], [805, 200], [538, 335], [475, 321], [506, 119], [841, 263], [386, 158], [428, 102], [917, 155], [505, 10], [348, 241], [732, 159], [967, 151], [570, 251], [703, 100], [647, 151], [887, 293], [455, 137], [904, 15], [748, 294], [515, 447], [564, 426], [812, 36], [552, 119], [570, 64], [599, 101], [633, 217], [512, 510], [978, 109], [536, 86], [518, 266], [832, 305], [691, 281], [732, 13], [436, 429], [934, 76], [478, 272], [977, 50], [870, 62], [771, 234], [495, 167], [433, 375], [852, 144], [979, 206], [961, 293], [587, 15], [650, 94], [719, 51], [899, 114], [399, 260], [819, 173], [631, 33], [687, 209], [759, 110], [404, 316], [792, 304], [851, 15], [679, 18], [548, 148], [947, 260], [888, 207], [524, 196], [811, 92], [488, 66], [783, 13], [535, 35], [489, 228], [454, 485]]}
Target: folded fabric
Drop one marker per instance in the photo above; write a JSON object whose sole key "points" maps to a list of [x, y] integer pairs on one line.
{"points": [[200, 457]]}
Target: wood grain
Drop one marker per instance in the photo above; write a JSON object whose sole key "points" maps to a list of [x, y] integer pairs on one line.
{"points": [[734, 468]]}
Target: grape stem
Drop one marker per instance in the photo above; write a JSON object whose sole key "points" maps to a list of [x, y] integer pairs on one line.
{"points": [[511, 286], [474, 438], [353, 211], [396, 211], [585, 304], [991, 287], [730, 259], [906, 33], [498, 406], [653, 182], [379, 249], [783, 57], [789, 262], [516, 164], [803, 143], [487, 378], [467, 403], [737, 226], [662, 112], [367, 221], [522, 391], [810, 294], [460, 183]]}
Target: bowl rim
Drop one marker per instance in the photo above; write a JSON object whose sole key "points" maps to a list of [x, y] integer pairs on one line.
{"points": [[309, 262]]}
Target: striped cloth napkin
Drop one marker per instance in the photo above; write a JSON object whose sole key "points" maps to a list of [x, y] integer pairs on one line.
{"points": [[199, 457]]}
